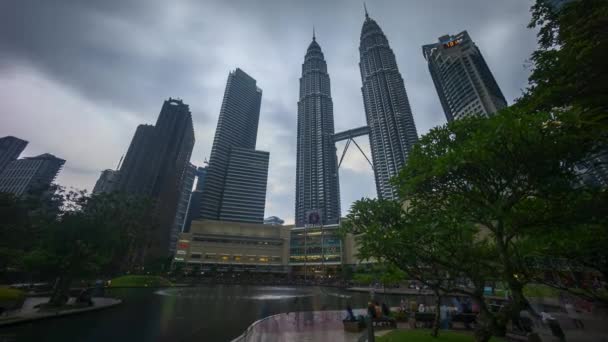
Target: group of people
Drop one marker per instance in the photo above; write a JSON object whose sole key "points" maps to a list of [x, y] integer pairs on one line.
{"points": [[376, 310]]}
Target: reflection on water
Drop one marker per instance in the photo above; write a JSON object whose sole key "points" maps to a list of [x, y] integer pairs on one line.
{"points": [[206, 313], [267, 293]]}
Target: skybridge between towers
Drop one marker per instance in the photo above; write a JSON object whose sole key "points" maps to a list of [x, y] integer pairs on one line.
{"points": [[349, 136]]}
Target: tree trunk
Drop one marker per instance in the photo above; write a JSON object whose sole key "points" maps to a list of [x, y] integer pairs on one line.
{"points": [[61, 289], [518, 301], [485, 324], [435, 332], [384, 292], [488, 324]]}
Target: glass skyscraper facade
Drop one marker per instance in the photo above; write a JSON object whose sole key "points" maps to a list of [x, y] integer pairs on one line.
{"points": [[155, 166], [30, 174], [235, 184], [317, 185], [392, 131], [463, 80], [182, 206], [244, 194], [106, 181], [10, 149]]}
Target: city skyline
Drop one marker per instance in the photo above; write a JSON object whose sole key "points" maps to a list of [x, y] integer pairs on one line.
{"points": [[108, 117]]}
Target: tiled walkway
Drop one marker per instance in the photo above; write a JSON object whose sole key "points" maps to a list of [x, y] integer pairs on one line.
{"points": [[301, 326], [327, 326], [28, 312]]}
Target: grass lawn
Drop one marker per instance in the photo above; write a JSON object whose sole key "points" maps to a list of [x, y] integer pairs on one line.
{"points": [[533, 291], [140, 281], [540, 291], [424, 335], [10, 294]]}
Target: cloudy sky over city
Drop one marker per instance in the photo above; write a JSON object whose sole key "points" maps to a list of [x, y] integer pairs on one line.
{"points": [[77, 77]]}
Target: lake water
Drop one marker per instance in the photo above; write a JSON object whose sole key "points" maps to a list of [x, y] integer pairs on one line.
{"points": [[206, 313]]}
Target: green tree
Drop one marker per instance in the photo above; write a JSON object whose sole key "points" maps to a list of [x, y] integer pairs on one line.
{"points": [[569, 66], [578, 250], [14, 231], [130, 222], [440, 252], [22, 221], [70, 234], [70, 246], [512, 174], [482, 196]]}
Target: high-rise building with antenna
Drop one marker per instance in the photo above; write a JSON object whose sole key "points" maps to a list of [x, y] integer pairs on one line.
{"points": [[392, 131], [317, 184]]}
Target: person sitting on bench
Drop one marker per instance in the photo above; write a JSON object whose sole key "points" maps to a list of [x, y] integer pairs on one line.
{"points": [[350, 316], [386, 312]]}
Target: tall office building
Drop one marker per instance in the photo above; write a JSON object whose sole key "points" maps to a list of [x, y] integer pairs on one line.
{"points": [[236, 172], [10, 149], [195, 199], [317, 184], [106, 181], [140, 166], [182, 206], [155, 166], [244, 195], [464, 82], [29, 174], [392, 131]]}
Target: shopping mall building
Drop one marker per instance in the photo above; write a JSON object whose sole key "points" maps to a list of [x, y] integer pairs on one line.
{"points": [[222, 246]]}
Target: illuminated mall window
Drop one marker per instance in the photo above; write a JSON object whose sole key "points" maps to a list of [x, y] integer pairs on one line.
{"points": [[263, 259], [332, 258], [237, 258], [297, 258], [251, 258], [225, 258]]}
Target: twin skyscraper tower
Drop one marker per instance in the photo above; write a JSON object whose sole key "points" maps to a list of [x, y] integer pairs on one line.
{"points": [[390, 125], [464, 84], [235, 185]]}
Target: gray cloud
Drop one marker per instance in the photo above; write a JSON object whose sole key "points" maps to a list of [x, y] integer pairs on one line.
{"points": [[77, 77]]}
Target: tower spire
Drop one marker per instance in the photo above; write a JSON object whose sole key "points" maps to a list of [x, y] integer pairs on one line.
{"points": [[365, 8], [313, 33]]}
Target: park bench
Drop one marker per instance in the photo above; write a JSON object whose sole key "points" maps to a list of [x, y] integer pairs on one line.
{"points": [[353, 326], [465, 318], [426, 318], [384, 323]]}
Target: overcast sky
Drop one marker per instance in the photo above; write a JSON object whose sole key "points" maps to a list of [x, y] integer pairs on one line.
{"points": [[77, 77]]}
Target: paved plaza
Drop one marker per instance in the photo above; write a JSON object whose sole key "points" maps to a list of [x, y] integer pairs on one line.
{"points": [[327, 326], [30, 312], [301, 326]]}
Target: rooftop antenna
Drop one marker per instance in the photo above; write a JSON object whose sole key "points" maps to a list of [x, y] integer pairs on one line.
{"points": [[313, 32], [365, 8]]}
